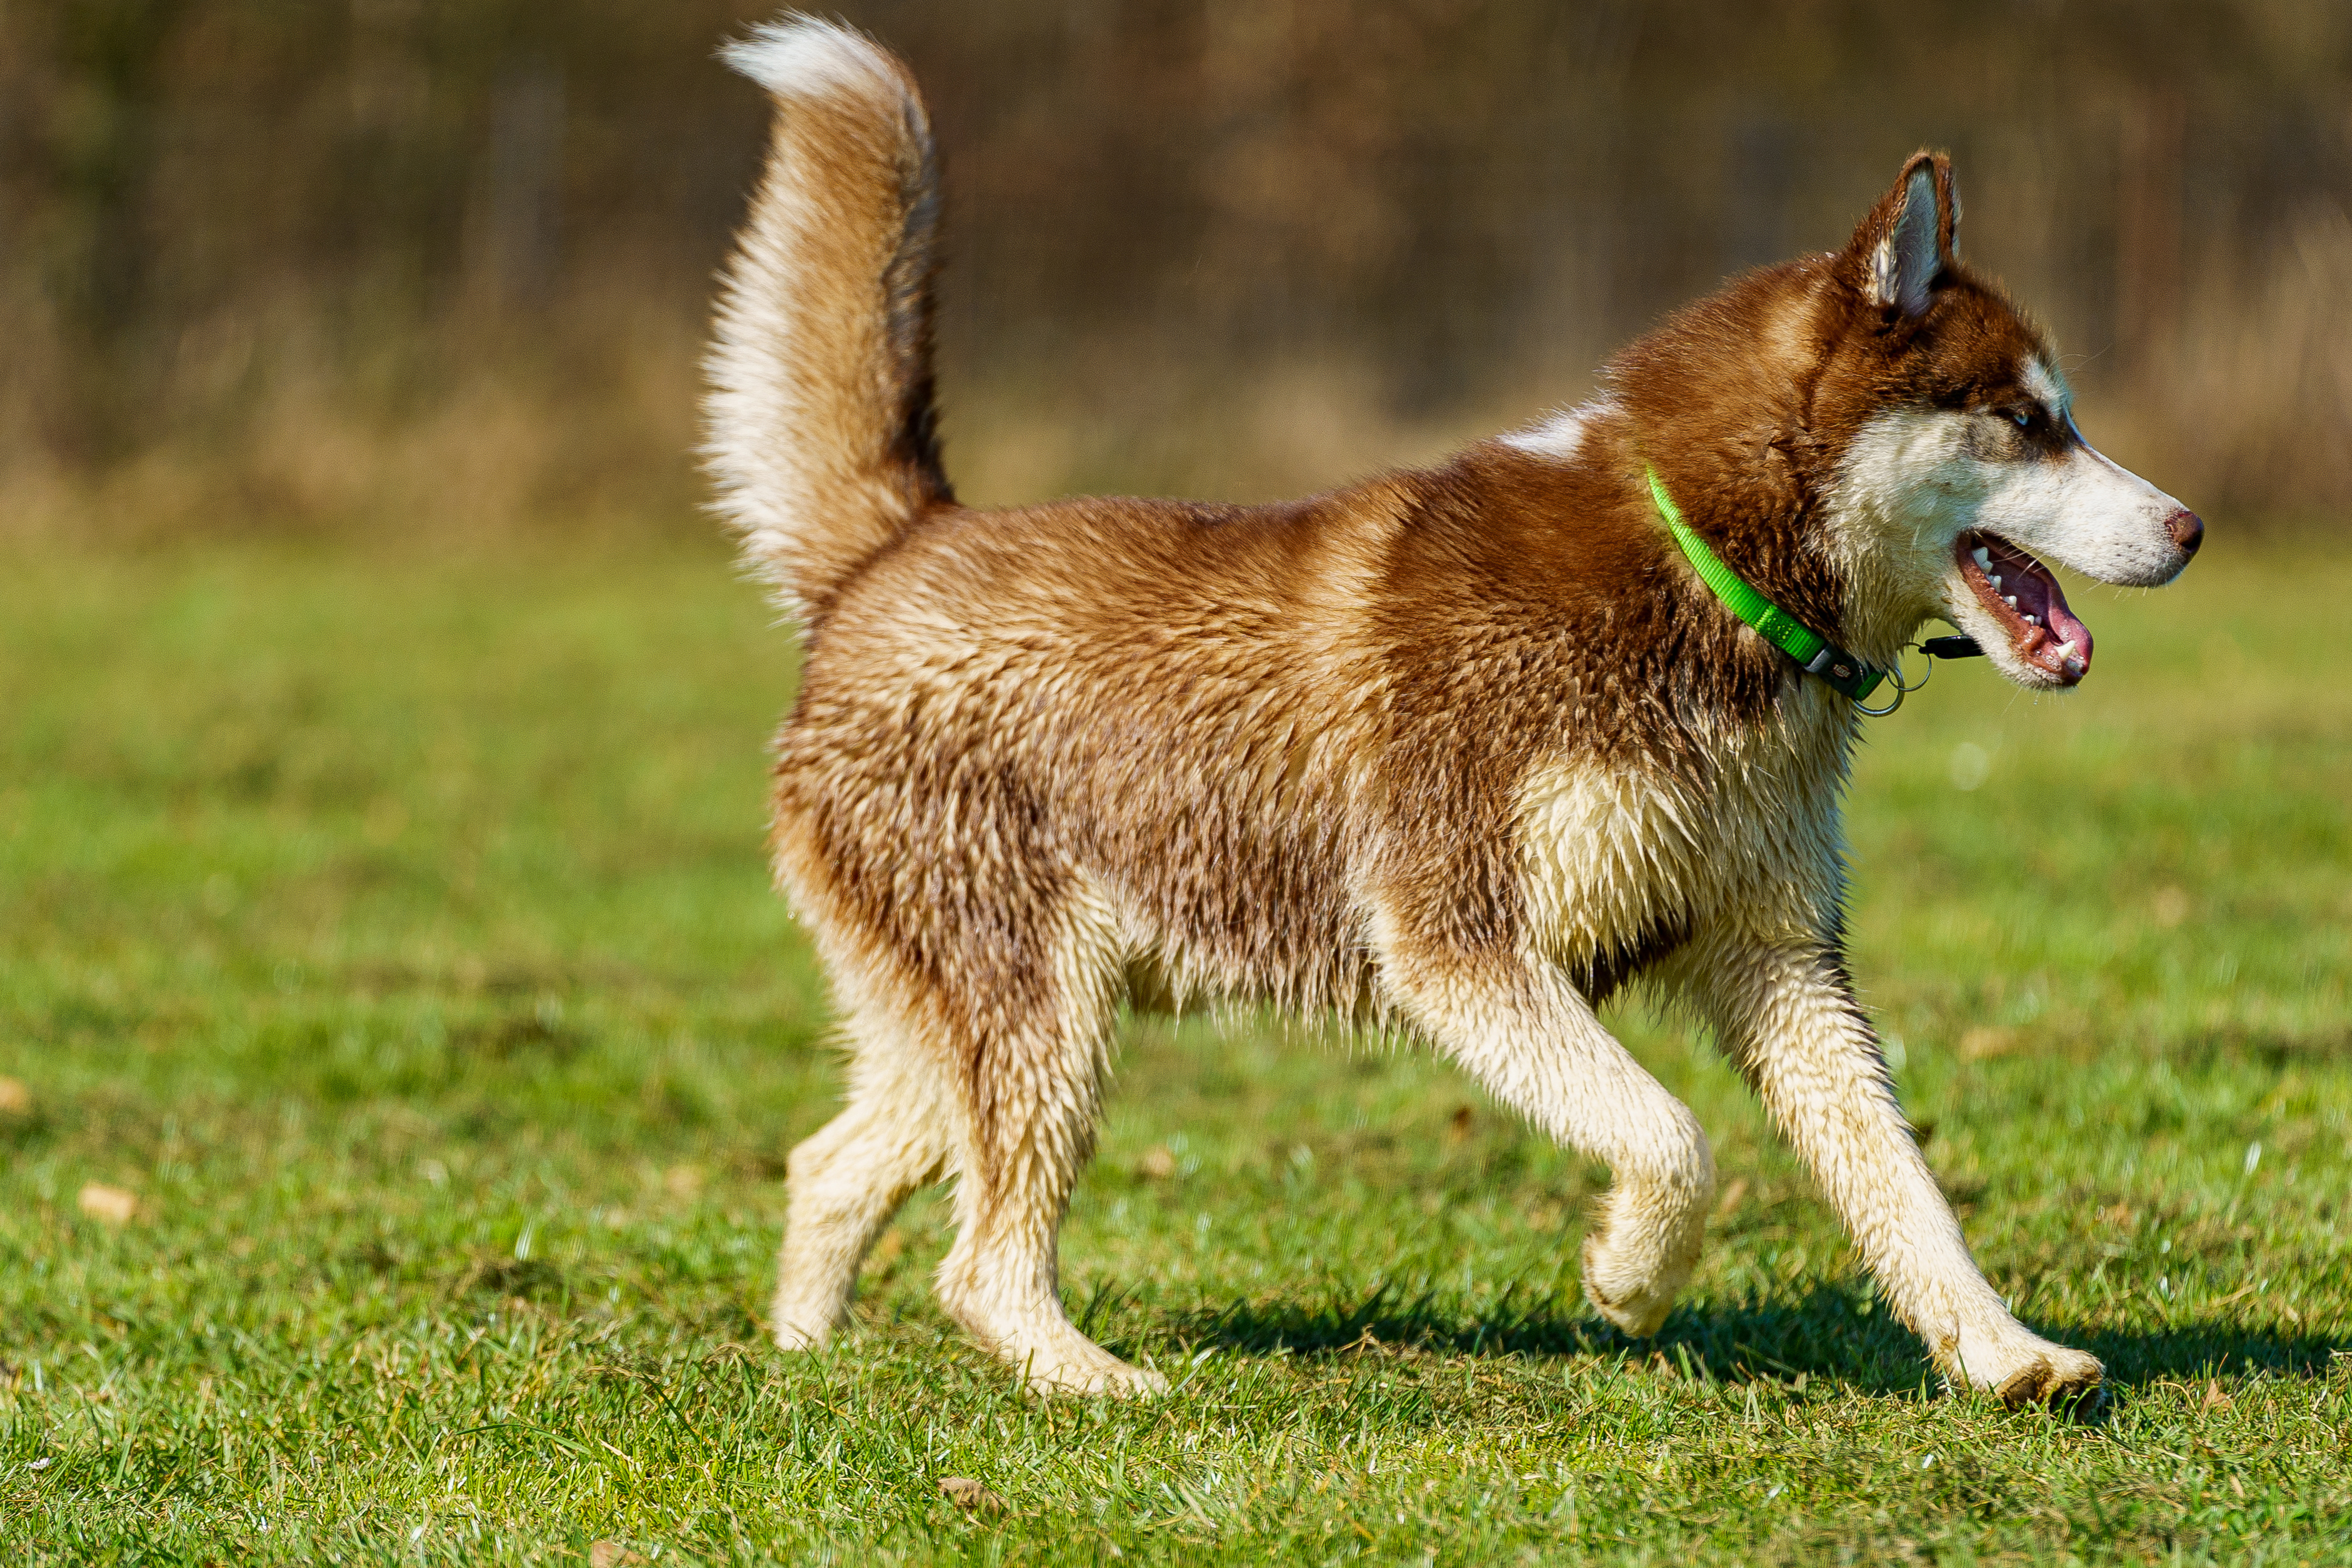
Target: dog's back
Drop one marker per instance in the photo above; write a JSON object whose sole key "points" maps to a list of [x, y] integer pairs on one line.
{"points": [[1243, 731]]}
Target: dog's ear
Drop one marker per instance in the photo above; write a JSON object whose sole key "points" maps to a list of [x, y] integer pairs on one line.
{"points": [[1911, 238]]}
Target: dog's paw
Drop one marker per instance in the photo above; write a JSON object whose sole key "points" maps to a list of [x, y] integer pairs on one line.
{"points": [[2057, 1376], [800, 1332], [2022, 1369], [1069, 1362], [1052, 1357], [1117, 1380], [1634, 1299]]}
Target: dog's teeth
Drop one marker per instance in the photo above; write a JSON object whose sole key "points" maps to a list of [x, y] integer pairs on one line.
{"points": [[1996, 584], [1983, 557], [2033, 620], [2011, 601], [2067, 652]]}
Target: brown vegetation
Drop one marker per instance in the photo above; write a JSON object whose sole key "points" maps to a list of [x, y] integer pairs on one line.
{"points": [[442, 265]]}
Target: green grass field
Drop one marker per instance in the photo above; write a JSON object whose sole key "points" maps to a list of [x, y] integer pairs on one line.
{"points": [[396, 937]]}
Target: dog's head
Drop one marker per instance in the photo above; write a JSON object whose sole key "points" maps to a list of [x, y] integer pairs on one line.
{"points": [[1956, 472]]}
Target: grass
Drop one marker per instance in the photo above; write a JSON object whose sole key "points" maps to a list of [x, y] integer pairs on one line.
{"points": [[395, 935]]}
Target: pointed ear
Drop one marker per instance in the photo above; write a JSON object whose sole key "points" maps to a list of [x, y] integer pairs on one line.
{"points": [[1911, 238]]}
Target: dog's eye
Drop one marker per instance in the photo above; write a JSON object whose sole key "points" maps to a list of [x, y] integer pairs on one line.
{"points": [[2023, 418]]}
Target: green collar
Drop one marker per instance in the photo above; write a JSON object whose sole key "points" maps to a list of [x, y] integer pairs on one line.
{"points": [[1816, 654]]}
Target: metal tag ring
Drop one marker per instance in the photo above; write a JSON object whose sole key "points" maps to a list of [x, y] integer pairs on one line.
{"points": [[1902, 689]]}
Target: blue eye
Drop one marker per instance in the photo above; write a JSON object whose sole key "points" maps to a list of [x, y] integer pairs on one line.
{"points": [[2022, 416]]}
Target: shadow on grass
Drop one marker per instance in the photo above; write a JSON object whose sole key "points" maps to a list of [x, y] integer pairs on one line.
{"points": [[1827, 1332], [2206, 1350]]}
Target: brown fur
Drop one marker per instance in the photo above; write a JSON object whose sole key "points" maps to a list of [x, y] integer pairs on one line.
{"points": [[1356, 753]]}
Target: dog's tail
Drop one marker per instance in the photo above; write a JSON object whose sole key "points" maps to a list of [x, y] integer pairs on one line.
{"points": [[820, 427]]}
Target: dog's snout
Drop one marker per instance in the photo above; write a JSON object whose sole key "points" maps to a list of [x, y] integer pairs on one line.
{"points": [[2188, 530]]}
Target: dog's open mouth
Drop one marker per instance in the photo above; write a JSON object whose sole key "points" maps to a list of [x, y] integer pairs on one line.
{"points": [[2027, 601]]}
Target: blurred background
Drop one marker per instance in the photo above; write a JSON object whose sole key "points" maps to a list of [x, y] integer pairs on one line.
{"points": [[440, 267]]}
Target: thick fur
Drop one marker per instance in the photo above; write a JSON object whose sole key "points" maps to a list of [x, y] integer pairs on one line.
{"points": [[1458, 751], [822, 433]]}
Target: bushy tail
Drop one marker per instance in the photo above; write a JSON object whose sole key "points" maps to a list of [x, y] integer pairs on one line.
{"points": [[820, 427]]}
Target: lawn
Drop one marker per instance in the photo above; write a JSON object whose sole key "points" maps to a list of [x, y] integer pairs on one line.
{"points": [[390, 938]]}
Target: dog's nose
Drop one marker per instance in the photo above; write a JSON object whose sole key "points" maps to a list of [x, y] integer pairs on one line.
{"points": [[2188, 530]]}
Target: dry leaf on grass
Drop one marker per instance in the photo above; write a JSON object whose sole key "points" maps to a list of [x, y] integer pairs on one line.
{"points": [[970, 1495], [112, 1204], [889, 1249], [1157, 1164], [1985, 1042], [16, 1100], [2215, 1398], [610, 1554], [1729, 1202]]}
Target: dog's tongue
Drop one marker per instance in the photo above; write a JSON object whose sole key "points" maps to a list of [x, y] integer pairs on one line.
{"points": [[2060, 620], [2061, 643]]}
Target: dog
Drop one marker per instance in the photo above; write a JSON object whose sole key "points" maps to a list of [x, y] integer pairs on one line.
{"points": [[1455, 752]]}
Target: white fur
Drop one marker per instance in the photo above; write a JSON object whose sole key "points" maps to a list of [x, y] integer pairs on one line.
{"points": [[753, 413], [1524, 1031], [1908, 260], [1612, 851], [1751, 865], [2049, 388], [1780, 1012], [801, 56], [904, 1125], [790, 442], [1913, 481], [2086, 512], [1558, 436], [999, 1278]]}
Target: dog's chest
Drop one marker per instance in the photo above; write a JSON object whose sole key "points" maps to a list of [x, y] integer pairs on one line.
{"points": [[1612, 857]]}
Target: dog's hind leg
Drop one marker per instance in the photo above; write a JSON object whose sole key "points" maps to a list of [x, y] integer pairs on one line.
{"points": [[843, 1185], [1530, 1037], [1036, 1057]]}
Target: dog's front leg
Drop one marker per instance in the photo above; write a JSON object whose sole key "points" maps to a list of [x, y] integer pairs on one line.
{"points": [[1531, 1038], [1788, 1018]]}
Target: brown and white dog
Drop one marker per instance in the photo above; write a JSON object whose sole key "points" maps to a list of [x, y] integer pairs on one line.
{"points": [[1458, 751]]}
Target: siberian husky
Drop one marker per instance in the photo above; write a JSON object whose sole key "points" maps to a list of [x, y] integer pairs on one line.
{"points": [[1456, 752]]}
